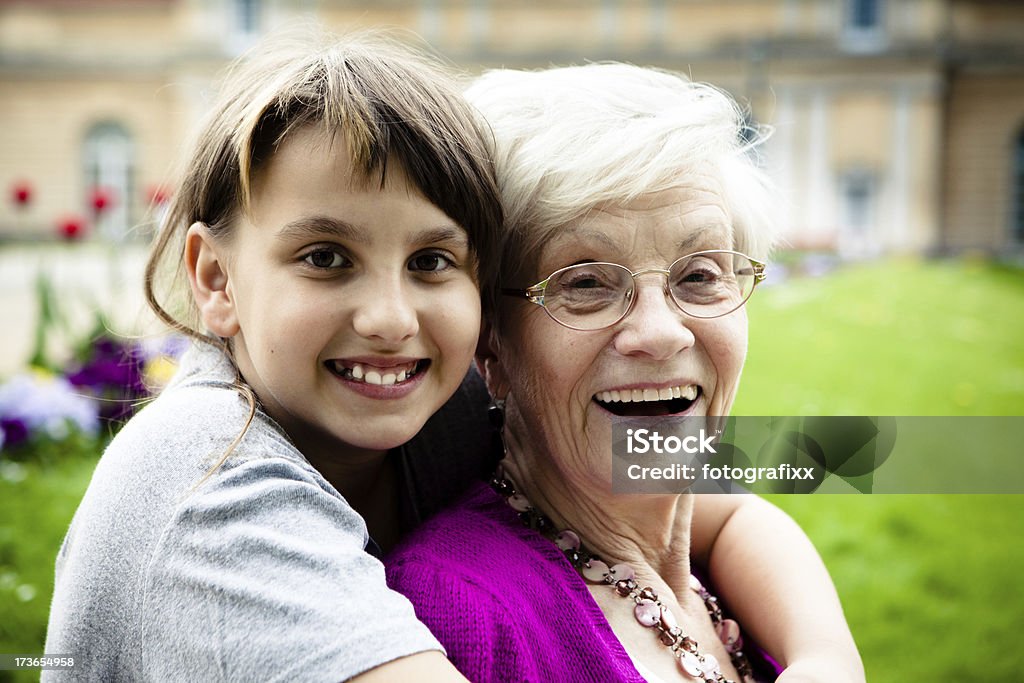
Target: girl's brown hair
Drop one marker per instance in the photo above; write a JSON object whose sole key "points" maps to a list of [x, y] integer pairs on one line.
{"points": [[390, 105], [387, 101]]}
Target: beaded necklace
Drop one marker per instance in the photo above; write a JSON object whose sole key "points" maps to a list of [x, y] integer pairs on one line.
{"points": [[648, 610]]}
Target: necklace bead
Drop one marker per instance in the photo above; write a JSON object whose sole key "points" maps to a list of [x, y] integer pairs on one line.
{"points": [[595, 571], [648, 609], [567, 539], [689, 663], [620, 572], [647, 613]]}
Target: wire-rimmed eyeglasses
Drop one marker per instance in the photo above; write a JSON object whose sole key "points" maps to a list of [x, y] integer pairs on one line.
{"points": [[594, 296]]}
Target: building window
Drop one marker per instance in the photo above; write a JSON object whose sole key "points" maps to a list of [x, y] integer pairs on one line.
{"points": [[244, 19], [247, 16], [863, 27], [1018, 188], [658, 22], [431, 21], [858, 190], [479, 23], [610, 21], [858, 206], [865, 14], [108, 168]]}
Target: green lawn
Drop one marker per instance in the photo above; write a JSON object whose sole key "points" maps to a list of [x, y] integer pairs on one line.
{"points": [[899, 338], [927, 581], [37, 502]]}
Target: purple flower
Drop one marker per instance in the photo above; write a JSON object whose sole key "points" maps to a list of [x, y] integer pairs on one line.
{"points": [[113, 374], [13, 431], [36, 404]]}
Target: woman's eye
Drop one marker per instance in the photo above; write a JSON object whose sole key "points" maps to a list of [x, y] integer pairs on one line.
{"points": [[699, 276], [325, 258], [430, 262], [591, 276], [700, 271], [587, 281]]}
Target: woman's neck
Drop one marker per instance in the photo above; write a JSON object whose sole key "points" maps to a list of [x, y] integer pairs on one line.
{"points": [[651, 533]]}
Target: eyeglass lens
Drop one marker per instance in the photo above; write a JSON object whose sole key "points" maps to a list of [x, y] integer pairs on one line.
{"points": [[596, 295]]}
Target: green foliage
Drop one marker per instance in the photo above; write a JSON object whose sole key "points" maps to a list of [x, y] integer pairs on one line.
{"points": [[37, 500], [888, 338], [47, 319]]}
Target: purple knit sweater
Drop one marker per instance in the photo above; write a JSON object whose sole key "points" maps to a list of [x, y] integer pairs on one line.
{"points": [[503, 600]]}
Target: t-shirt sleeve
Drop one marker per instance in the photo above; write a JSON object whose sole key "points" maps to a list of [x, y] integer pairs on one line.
{"points": [[478, 629], [261, 575]]}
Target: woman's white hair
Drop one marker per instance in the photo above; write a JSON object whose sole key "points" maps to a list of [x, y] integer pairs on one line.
{"points": [[573, 138]]}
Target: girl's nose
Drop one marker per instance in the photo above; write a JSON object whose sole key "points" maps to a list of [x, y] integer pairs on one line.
{"points": [[386, 312]]}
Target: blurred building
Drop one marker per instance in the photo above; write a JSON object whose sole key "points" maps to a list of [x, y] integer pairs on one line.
{"points": [[899, 124]]}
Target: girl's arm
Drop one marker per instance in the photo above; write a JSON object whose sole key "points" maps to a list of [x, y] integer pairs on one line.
{"points": [[776, 585], [425, 666]]}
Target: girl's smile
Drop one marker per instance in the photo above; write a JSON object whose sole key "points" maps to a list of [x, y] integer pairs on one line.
{"points": [[380, 378]]}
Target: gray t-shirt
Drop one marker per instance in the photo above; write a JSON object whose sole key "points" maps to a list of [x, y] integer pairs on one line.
{"points": [[259, 574]]}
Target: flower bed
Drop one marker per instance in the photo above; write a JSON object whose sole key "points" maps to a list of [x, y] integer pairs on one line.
{"points": [[87, 395]]}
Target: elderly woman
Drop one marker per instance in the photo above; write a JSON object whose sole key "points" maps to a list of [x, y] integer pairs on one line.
{"points": [[635, 224]]}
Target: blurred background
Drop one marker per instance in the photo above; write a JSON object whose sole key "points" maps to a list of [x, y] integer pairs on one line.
{"points": [[898, 146]]}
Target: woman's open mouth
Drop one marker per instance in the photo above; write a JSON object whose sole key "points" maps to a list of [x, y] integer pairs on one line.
{"points": [[649, 402], [369, 374]]}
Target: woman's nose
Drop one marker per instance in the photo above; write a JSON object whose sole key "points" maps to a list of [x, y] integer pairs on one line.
{"points": [[385, 311], [654, 327]]}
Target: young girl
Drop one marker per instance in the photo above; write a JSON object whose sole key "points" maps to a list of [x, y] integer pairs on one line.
{"points": [[330, 235]]}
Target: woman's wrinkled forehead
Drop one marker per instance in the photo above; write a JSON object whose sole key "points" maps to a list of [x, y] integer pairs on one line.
{"points": [[669, 224]]}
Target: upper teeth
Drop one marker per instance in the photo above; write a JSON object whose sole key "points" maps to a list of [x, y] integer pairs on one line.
{"points": [[688, 392], [374, 375]]}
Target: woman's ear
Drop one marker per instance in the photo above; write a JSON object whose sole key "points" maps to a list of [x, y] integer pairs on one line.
{"points": [[489, 363], [208, 276]]}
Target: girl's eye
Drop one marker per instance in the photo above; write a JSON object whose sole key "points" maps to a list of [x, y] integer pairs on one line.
{"points": [[430, 262], [325, 258]]}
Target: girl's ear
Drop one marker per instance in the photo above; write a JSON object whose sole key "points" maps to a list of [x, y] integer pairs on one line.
{"points": [[208, 276], [489, 364]]}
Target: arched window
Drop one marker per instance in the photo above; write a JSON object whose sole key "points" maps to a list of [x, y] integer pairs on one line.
{"points": [[1017, 188], [863, 25], [864, 15], [108, 157]]}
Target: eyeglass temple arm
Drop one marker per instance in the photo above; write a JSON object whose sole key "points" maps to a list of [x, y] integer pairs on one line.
{"points": [[759, 270], [759, 274], [534, 294]]}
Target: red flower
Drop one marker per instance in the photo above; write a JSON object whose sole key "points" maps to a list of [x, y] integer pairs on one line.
{"points": [[71, 228], [101, 199], [21, 193], [158, 195]]}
